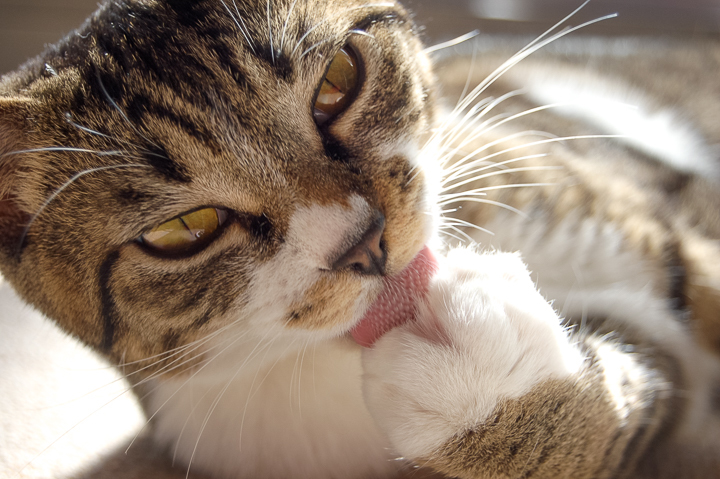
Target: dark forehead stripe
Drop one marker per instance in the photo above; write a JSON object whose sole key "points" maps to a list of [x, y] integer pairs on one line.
{"points": [[158, 158], [187, 11]]}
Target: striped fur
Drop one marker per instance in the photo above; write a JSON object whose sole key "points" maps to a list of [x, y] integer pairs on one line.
{"points": [[154, 108]]}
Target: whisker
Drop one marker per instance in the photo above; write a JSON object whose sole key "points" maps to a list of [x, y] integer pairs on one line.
{"points": [[238, 20], [460, 232], [217, 399], [471, 156], [191, 377], [528, 50], [497, 173], [507, 119], [537, 143], [122, 153], [300, 369], [452, 43], [363, 33], [181, 360], [461, 222], [316, 26], [262, 381], [117, 108], [492, 188], [532, 47], [272, 47], [321, 42], [68, 118], [487, 202], [446, 233], [72, 428], [468, 79], [193, 346], [64, 186], [190, 415], [287, 21], [481, 164], [183, 347], [474, 115]]}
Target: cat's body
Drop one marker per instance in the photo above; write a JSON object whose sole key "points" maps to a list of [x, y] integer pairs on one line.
{"points": [[180, 107]]}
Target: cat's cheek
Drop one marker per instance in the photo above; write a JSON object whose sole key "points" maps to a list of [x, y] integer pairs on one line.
{"points": [[484, 335]]}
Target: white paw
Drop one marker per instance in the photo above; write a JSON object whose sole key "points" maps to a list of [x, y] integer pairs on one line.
{"points": [[483, 335]]}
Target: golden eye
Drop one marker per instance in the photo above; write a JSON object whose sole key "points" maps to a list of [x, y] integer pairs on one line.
{"points": [[185, 233], [338, 87]]}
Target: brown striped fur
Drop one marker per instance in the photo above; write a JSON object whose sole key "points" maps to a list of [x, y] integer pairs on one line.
{"points": [[154, 108]]}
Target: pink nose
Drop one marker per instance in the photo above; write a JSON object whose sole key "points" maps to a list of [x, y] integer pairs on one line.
{"points": [[368, 255]]}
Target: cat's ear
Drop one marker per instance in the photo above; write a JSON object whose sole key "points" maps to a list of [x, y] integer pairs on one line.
{"points": [[13, 114]]}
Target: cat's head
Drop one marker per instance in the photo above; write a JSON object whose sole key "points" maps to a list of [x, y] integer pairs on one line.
{"points": [[174, 167]]}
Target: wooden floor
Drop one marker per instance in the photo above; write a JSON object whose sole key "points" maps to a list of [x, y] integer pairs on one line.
{"points": [[27, 25]]}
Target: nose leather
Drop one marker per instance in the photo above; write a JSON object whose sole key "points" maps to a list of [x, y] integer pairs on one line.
{"points": [[368, 255]]}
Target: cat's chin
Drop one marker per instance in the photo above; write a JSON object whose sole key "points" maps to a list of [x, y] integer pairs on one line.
{"points": [[397, 303]]}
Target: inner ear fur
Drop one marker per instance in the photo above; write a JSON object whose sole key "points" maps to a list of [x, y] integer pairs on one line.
{"points": [[13, 114]]}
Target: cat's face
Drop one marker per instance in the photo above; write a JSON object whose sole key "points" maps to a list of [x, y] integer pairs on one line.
{"points": [[206, 114]]}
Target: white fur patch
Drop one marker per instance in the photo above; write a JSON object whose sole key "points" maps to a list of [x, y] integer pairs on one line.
{"points": [[315, 236], [584, 269], [318, 232], [618, 110], [484, 335], [295, 411], [275, 402], [62, 408]]}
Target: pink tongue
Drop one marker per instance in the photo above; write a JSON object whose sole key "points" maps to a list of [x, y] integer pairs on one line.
{"points": [[396, 303]]}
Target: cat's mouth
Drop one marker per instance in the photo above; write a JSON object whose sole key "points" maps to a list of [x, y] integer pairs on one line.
{"points": [[397, 303]]}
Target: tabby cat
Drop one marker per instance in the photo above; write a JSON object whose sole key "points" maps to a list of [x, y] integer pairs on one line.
{"points": [[254, 210]]}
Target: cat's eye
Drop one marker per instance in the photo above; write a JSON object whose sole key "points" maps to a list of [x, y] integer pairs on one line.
{"points": [[339, 86], [185, 233]]}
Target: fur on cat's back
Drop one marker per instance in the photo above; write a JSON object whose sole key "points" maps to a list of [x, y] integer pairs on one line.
{"points": [[579, 340]]}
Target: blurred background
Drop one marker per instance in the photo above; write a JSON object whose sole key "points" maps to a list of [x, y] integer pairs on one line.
{"points": [[27, 25]]}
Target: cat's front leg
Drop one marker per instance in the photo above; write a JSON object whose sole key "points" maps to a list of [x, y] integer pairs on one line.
{"points": [[488, 383]]}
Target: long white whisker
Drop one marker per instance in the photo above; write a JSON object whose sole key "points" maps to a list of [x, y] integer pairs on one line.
{"points": [[287, 21], [470, 195], [192, 376], [120, 111], [488, 202], [314, 27], [272, 47], [460, 232], [194, 408], [72, 428], [183, 359], [452, 43], [237, 21], [481, 165], [67, 184], [122, 153], [68, 118], [528, 50], [537, 143], [503, 172], [452, 235], [472, 155], [299, 389], [515, 59], [474, 116], [460, 222]]}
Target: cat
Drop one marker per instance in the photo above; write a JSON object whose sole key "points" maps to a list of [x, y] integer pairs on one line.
{"points": [[251, 208]]}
